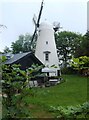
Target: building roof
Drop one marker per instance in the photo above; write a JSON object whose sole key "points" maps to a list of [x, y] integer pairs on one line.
{"points": [[45, 25], [24, 59], [15, 57]]}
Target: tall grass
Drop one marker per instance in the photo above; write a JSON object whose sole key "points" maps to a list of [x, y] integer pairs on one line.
{"points": [[72, 92]]}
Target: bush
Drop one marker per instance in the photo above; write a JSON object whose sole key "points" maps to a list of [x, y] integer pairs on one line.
{"points": [[68, 70], [72, 112], [16, 91], [13, 84]]}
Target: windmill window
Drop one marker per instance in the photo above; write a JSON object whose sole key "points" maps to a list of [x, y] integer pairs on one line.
{"points": [[46, 42], [46, 57], [46, 53]]}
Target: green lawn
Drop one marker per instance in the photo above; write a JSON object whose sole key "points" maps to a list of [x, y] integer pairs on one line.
{"points": [[72, 92]]}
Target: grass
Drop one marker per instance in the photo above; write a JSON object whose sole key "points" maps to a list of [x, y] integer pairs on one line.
{"points": [[72, 92]]}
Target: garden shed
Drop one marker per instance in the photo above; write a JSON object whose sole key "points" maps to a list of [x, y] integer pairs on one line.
{"points": [[24, 59]]}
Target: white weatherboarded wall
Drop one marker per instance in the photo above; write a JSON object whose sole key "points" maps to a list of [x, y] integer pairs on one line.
{"points": [[46, 44]]}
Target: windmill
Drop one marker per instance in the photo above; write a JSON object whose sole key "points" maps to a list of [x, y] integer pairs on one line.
{"points": [[56, 26], [45, 49], [36, 23]]}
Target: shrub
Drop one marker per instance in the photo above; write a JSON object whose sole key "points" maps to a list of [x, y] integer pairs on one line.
{"points": [[72, 112], [68, 70]]}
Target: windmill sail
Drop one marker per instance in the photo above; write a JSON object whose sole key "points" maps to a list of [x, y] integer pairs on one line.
{"points": [[34, 19], [40, 14], [37, 24]]}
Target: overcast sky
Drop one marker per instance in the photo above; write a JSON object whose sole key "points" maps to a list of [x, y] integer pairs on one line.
{"points": [[17, 16]]}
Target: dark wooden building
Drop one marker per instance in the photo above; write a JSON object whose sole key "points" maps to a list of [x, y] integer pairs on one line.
{"points": [[24, 59]]}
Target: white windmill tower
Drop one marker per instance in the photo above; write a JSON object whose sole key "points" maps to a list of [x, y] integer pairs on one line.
{"points": [[46, 50]]}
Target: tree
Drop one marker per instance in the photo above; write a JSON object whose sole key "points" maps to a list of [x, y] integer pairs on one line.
{"points": [[67, 42], [13, 80], [6, 49], [85, 44], [23, 44], [17, 46], [16, 90], [81, 64], [2, 59], [83, 49]]}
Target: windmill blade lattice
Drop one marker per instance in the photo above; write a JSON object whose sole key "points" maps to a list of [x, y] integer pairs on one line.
{"points": [[37, 24]]}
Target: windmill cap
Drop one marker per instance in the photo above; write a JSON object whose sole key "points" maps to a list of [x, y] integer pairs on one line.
{"points": [[45, 25]]}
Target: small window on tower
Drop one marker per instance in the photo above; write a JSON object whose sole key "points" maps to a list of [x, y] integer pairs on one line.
{"points": [[46, 42], [46, 57]]}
